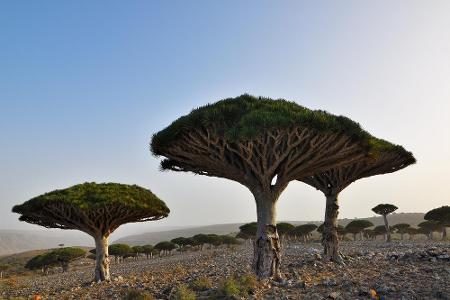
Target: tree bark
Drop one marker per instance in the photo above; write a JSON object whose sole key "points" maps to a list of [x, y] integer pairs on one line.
{"points": [[330, 238], [386, 226], [444, 233], [102, 259], [267, 250]]}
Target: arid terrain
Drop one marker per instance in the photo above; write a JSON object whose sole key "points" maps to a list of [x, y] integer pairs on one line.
{"points": [[372, 270]]}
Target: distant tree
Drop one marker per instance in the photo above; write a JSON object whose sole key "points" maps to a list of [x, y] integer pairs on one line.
{"points": [[96, 209], [214, 239], [148, 250], [284, 228], [357, 226], [165, 247], [368, 233], [201, 239], [303, 231], [263, 144], [229, 240], [181, 242], [380, 230], [440, 215], [401, 228], [248, 231], [58, 257], [119, 251], [428, 227], [411, 231], [3, 268], [137, 251], [384, 158], [384, 210]]}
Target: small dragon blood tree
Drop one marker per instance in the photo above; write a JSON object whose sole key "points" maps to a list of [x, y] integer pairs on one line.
{"points": [[384, 210], [385, 158], [262, 144], [440, 215], [96, 209]]}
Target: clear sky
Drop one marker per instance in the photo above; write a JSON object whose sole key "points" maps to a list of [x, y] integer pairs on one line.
{"points": [[85, 84]]}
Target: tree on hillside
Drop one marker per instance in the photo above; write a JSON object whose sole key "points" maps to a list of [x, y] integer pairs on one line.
{"points": [[3, 268], [284, 228], [428, 227], [59, 257], [137, 251], [262, 144], [148, 250], [181, 242], [303, 231], [380, 230], [357, 226], [229, 240], [165, 247], [401, 228], [96, 209], [384, 210], [440, 215], [119, 251], [247, 231], [411, 231], [384, 158]]}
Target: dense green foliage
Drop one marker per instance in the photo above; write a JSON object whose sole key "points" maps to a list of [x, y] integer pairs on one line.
{"points": [[61, 257], [119, 250], [304, 229], [283, 228], [249, 229], [92, 195], [384, 209], [429, 226], [165, 246], [440, 214], [246, 116], [357, 226]]}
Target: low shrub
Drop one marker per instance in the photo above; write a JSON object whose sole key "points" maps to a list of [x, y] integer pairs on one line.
{"points": [[201, 284], [184, 293], [137, 295]]}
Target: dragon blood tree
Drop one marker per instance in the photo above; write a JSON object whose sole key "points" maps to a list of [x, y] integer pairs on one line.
{"points": [[384, 158], [440, 215], [96, 209], [262, 144], [384, 210]]}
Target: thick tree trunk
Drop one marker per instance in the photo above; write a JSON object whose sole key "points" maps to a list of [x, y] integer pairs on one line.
{"points": [[444, 233], [386, 226], [102, 259], [330, 238], [267, 250]]}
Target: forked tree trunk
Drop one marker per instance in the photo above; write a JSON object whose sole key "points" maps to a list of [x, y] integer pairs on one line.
{"points": [[330, 238], [386, 226], [101, 259], [267, 252]]}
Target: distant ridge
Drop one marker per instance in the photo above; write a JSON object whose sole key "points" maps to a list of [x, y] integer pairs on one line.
{"points": [[14, 241], [155, 237]]}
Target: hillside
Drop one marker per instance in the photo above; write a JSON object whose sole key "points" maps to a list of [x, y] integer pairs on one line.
{"points": [[155, 237], [14, 241]]}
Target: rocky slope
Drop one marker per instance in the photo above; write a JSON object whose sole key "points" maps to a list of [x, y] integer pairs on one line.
{"points": [[419, 270]]}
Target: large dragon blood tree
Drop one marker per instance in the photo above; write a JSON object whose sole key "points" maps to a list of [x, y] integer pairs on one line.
{"points": [[96, 209], [262, 144], [384, 158]]}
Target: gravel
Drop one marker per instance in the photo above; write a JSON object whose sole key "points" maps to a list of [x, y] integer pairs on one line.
{"points": [[372, 270]]}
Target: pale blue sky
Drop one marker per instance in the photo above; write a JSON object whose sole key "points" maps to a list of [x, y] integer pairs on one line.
{"points": [[84, 85]]}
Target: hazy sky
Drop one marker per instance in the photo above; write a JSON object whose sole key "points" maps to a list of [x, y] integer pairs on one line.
{"points": [[85, 84]]}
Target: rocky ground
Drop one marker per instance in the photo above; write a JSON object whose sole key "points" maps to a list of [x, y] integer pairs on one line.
{"points": [[419, 270]]}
